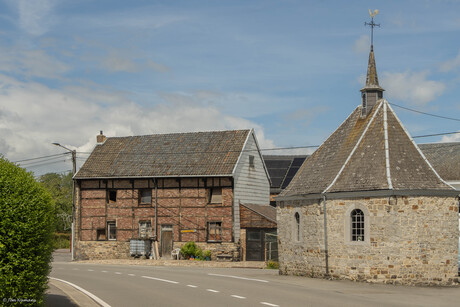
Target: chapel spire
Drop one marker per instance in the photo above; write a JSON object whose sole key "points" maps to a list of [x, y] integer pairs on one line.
{"points": [[372, 91]]}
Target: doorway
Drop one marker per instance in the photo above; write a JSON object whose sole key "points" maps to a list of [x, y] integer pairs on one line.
{"points": [[166, 240]]}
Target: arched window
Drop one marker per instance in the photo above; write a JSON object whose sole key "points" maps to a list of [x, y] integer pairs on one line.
{"points": [[297, 226], [357, 225]]}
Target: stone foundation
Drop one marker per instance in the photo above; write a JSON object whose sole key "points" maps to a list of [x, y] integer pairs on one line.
{"points": [[408, 240]]}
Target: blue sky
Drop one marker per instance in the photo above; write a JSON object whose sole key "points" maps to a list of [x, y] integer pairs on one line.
{"points": [[292, 70]]}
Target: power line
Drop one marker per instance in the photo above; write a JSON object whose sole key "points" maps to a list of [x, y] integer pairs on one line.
{"points": [[38, 158], [437, 134], [424, 113]]}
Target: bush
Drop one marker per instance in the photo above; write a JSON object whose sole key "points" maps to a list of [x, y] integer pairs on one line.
{"points": [[26, 236], [273, 265], [61, 240], [190, 249]]}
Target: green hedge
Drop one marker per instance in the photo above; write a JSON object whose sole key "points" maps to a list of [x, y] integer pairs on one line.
{"points": [[26, 237], [61, 240]]}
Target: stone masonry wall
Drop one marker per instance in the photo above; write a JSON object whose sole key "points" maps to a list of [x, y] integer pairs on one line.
{"points": [[182, 203], [408, 240]]}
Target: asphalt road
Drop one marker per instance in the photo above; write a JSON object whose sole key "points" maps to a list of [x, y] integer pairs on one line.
{"points": [[124, 285]]}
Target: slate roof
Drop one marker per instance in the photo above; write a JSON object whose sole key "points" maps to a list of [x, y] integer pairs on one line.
{"points": [[282, 169], [372, 153], [162, 155], [266, 211], [445, 158]]}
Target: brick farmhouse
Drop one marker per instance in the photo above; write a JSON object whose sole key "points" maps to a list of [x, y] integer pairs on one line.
{"points": [[171, 188]]}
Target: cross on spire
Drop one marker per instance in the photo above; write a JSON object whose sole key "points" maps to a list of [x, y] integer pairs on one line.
{"points": [[372, 24]]}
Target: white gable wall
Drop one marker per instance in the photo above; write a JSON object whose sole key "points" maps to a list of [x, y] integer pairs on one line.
{"points": [[251, 184]]}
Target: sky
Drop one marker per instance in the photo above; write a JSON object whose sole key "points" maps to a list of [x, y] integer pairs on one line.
{"points": [[291, 70]]}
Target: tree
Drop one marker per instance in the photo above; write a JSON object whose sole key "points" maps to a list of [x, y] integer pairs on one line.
{"points": [[26, 232], [60, 188]]}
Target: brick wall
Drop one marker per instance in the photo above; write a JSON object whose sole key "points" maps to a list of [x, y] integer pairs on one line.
{"points": [[182, 203], [409, 240]]}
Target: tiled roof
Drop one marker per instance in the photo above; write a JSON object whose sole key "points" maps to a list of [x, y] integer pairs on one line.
{"points": [[178, 154], [266, 211], [357, 157], [282, 169], [445, 158]]}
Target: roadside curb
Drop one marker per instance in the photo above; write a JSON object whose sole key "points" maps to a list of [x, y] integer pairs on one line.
{"points": [[76, 294], [180, 263]]}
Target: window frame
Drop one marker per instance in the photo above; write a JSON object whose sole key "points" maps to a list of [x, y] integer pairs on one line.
{"points": [[357, 228], [218, 236], [215, 202], [252, 161], [148, 232], [111, 225], [349, 225], [109, 198], [140, 191], [297, 227]]}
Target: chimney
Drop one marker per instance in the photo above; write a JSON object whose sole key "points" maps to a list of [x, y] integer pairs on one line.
{"points": [[101, 138]]}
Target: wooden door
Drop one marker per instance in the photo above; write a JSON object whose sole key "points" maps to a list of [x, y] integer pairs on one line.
{"points": [[166, 241]]}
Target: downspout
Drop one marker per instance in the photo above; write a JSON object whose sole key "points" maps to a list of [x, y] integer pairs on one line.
{"points": [[156, 208], [326, 254]]}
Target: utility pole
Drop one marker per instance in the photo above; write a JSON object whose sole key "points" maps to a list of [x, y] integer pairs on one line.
{"points": [[74, 170]]}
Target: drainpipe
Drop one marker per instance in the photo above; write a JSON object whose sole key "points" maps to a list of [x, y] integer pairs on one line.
{"points": [[325, 236], [156, 207]]}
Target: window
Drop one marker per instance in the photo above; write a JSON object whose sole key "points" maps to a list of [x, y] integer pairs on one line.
{"points": [[112, 230], [100, 235], [214, 231], [215, 196], [297, 226], [357, 225], [251, 161], [145, 197], [111, 196], [145, 229]]}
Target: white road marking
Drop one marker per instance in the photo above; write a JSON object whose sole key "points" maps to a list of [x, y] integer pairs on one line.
{"points": [[238, 277], [104, 271], [131, 275], [118, 273], [268, 304], [192, 286], [211, 290], [94, 297], [237, 296], [75, 269], [90, 270], [159, 279]]}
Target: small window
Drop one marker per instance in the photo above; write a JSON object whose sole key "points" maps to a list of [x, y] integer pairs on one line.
{"points": [[145, 229], [214, 231], [145, 197], [112, 196], [251, 161], [112, 230], [297, 226], [357, 225], [215, 196], [100, 235]]}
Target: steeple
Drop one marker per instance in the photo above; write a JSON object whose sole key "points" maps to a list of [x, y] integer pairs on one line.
{"points": [[372, 91]]}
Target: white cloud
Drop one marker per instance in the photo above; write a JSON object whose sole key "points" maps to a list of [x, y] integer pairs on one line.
{"points": [[451, 138], [362, 44], [119, 62], [450, 64], [412, 87], [31, 63], [35, 16], [33, 116]]}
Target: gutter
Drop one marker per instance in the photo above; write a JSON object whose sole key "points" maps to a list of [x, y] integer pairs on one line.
{"points": [[326, 252]]}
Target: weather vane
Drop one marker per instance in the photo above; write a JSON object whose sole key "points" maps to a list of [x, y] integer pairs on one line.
{"points": [[372, 24]]}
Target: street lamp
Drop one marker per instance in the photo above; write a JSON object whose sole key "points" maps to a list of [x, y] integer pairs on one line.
{"points": [[74, 169]]}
